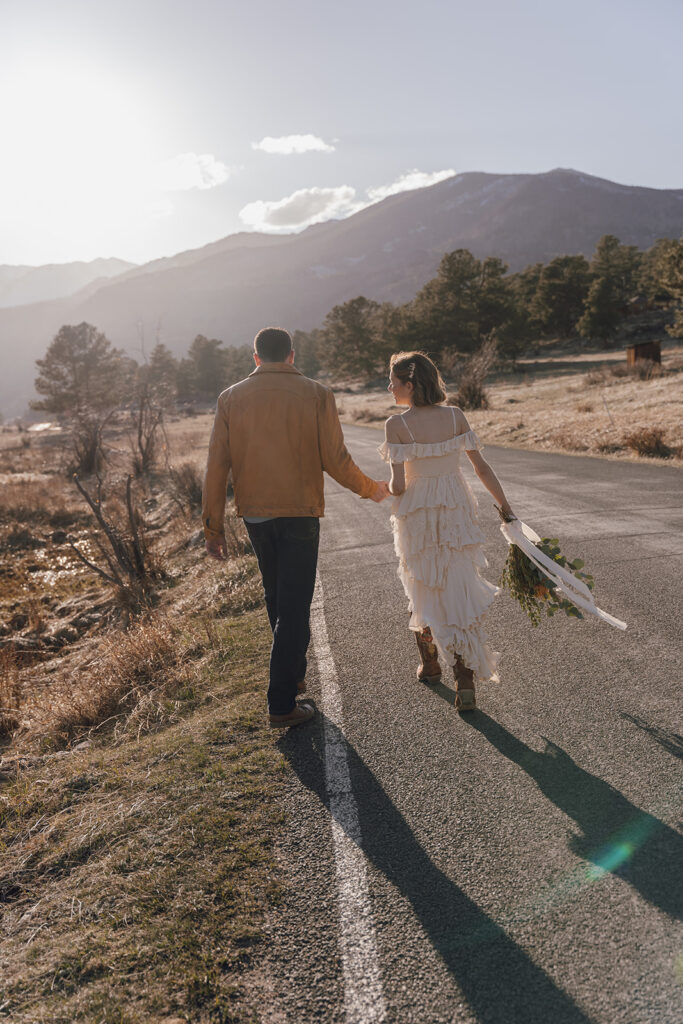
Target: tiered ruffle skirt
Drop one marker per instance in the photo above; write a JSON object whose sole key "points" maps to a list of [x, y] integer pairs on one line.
{"points": [[440, 550]]}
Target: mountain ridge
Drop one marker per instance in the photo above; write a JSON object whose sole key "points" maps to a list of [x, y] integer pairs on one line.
{"points": [[386, 251], [22, 285]]}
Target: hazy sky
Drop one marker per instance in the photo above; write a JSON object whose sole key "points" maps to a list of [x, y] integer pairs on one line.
{"points": [[140, 128]]}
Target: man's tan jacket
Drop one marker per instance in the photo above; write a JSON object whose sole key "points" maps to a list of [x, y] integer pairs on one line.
{"points": [[277, 431]]}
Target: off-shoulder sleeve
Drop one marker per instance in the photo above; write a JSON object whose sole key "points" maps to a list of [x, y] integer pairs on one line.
{"points": [[393, 452], [470, 441]]}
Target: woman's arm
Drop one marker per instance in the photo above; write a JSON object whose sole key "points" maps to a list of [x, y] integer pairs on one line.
{"points": [[490, 481], [393, 433], [397, 484], [482, 468]]}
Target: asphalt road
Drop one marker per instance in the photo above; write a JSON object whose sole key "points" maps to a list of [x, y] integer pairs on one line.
{"points": [[522, 863]]}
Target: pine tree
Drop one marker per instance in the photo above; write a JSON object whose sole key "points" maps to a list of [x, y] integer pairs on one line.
{"points": [[81, 373], [672, 280], [445, 313], [618, 263], [207, 367], [602, 314], [561, 292], [306, 346], [348, 341], [160, 373]]}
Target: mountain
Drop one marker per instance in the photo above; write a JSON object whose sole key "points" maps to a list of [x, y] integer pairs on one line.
{"points": [[234, 286], [20, 286]]}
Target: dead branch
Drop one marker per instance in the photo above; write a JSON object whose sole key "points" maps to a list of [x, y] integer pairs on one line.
{"points": [[95, 568]]}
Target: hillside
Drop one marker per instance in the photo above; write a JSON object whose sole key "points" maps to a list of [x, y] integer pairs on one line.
{"points": [[234, 286]]}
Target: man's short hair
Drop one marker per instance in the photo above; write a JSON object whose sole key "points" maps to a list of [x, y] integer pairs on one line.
{"points": [[273, 345]]}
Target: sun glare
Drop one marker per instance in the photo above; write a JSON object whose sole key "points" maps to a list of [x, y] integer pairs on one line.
{"points": [[79, 157]]}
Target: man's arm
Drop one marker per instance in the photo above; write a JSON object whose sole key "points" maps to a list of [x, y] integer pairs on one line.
{"points": [[215, 483], [336, 459]]}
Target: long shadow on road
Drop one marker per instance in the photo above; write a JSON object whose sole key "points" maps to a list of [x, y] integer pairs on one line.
{"points": [[616, 836], [499, 981], [669, 741]]}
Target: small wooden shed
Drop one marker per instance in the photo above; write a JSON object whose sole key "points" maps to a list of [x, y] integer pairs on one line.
{"points": [[650, 350]]}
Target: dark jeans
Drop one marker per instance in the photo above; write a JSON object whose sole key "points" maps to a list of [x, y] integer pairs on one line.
{"points": [[287, 552]]}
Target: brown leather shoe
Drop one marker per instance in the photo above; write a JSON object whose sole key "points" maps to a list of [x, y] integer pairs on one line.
{"points": [[465, 697], [301, 713], [429, 670]]}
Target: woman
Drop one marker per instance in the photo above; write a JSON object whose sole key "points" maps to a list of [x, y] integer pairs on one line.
{"points": [[436, 534]]}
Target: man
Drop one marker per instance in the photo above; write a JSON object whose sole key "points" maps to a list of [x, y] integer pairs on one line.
{"points": [[277, 431]]}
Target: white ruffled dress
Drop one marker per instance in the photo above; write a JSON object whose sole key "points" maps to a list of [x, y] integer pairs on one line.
{"points": [[439, 544]]}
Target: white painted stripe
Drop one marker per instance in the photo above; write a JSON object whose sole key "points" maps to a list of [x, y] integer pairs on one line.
{"points": [[363, 996]]}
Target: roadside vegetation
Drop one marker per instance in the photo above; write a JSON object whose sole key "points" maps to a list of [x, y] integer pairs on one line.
{"points": [[586, 403], [137, 776]]}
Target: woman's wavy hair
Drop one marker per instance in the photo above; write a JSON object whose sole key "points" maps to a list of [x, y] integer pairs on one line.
{"points": [[422, 373]]}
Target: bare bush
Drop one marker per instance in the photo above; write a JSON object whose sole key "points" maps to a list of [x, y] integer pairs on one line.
{"points": [[648, 441], [186, 485], [471, 374], [148, 420], [122, 545], [87, 443]]}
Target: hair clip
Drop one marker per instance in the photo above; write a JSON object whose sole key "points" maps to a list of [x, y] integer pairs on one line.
{"points": [[411, 370]]}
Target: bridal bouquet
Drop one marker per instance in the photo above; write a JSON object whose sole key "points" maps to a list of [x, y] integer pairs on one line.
{"points": [[541, 578]]}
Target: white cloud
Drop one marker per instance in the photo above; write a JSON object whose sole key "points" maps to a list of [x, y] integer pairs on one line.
{"points": [[288, 144], [303, 207], [313, 205], [409, 180], [192, 170]]}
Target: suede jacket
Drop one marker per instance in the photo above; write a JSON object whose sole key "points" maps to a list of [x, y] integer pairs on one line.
{"points": [[277, 431]]}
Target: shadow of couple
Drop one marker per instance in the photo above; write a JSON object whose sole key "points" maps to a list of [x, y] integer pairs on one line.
{"points": [[498, 979]]}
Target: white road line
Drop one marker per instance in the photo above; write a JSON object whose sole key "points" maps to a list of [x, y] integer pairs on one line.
{"points": [[363, 996]]}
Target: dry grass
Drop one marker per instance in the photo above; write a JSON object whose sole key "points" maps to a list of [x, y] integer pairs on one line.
{"points": [[368, 414], [137, 777], [10, 692], [644, 369], [649, 442], [46, 501], [579, 410], [69, 662], [135, 877], [136, 677]]}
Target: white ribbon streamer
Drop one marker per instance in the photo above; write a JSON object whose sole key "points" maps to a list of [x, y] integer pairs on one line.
{"points": [[575, 589]]}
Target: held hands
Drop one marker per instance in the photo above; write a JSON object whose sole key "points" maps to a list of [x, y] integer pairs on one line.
{"points": [[381, 491], [217, 548]]}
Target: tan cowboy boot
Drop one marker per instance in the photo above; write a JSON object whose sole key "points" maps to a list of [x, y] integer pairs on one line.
{"points": [[429, 670], [465, 699]]}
